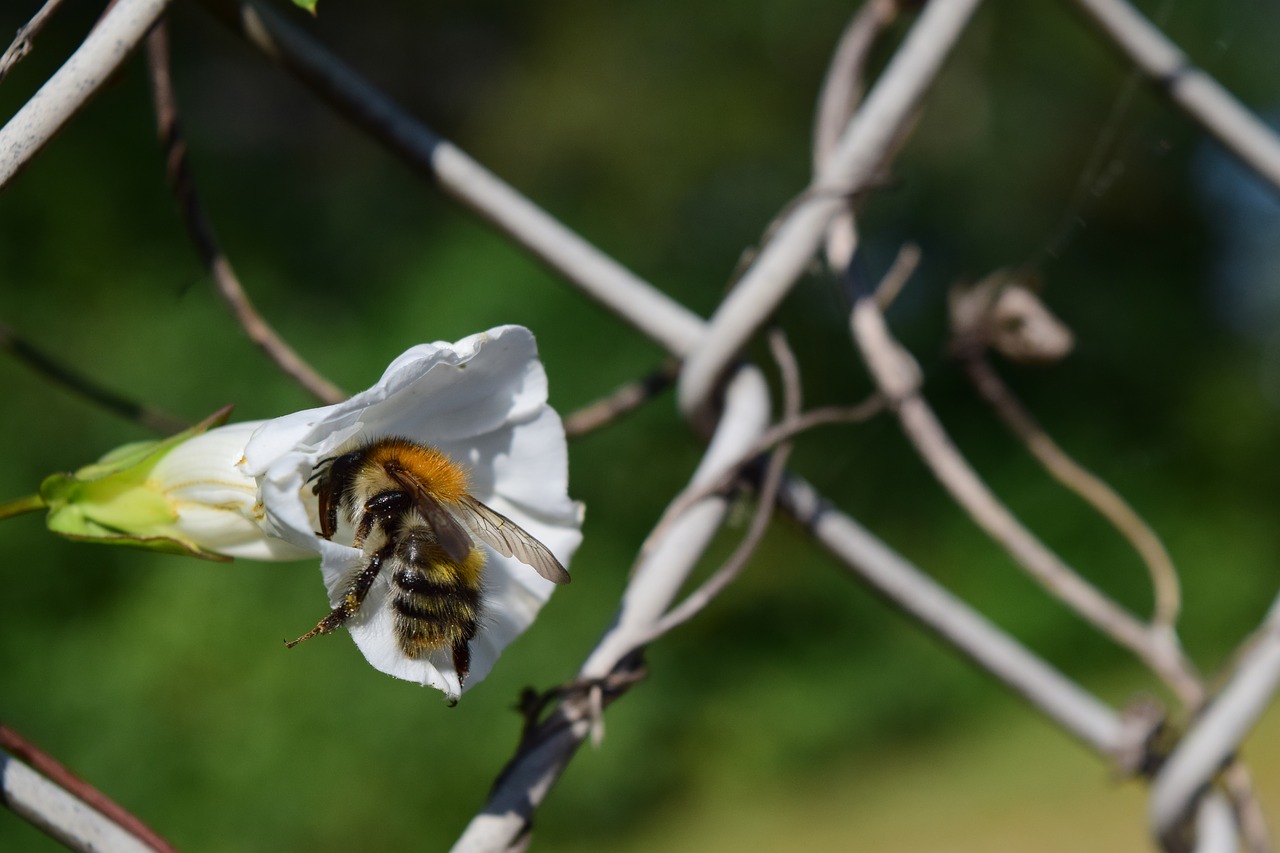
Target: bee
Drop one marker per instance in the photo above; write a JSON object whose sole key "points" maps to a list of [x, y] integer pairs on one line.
{"points": [[415, 520]]}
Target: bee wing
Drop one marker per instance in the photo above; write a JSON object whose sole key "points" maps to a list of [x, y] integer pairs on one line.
{"points": [[511, 540], [450, 534]]}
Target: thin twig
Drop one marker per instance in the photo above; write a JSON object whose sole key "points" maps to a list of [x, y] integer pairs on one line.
{"points": [[696, 601], [842, 89], [1198, 94], [1091, 489], [897, 376], [225, 280], [60, 803], [24, 42], [154, 419], [621, 401], [1238, 782], [789, 372], [891, 284], [774, 436], [114, 38]]}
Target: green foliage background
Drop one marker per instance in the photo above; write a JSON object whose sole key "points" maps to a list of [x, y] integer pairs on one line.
{"points": [[799, 712]]}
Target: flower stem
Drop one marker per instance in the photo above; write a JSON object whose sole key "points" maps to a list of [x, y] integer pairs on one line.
{"points": [[31, 503]]}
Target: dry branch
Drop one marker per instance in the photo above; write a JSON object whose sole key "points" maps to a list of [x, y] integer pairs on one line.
{"points": [[227, 283], [115, 37]]}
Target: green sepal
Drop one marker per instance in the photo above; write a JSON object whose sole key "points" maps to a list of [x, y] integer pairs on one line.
{"points": [[109, 501], [309, 5]]}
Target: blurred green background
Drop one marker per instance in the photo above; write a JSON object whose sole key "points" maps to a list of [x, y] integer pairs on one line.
{"points": [[799, 712]]}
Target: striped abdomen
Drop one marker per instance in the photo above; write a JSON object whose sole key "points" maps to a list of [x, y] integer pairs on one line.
{"points": [[436, 600]]}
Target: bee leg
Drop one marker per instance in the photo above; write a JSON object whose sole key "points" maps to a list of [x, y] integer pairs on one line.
{"points": [[462, 660], [352, 600]]}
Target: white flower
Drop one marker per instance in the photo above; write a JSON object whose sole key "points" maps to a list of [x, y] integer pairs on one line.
{"points": [[482, 402]]}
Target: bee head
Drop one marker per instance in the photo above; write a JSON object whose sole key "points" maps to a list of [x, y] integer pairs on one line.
{"points": [[333, 478]]}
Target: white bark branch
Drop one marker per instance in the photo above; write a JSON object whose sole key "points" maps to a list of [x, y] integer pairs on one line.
{"points": [[115, 37], [58, 813]]}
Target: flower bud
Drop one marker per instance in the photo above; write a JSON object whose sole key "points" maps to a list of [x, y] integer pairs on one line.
{"points": [[185, 494]]}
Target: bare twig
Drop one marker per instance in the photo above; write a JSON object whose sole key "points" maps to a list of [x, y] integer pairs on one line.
{"points": [[857, 159], [151, 418], [720, 579], [842, 89], [1198, 94], [897, 376], [844, 82], [201, 230], [70, 88], [1112, 507], [25, 39], [623, 400], [774, 436], [56, 801], [891, 284]]}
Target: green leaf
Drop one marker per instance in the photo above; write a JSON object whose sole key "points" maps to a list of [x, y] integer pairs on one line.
{"points": [[309, 5]]}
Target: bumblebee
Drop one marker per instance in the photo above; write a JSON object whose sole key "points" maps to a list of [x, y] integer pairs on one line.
{"points": [[416, 521]]}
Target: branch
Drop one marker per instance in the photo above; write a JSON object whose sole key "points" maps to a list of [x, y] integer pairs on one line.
{"points": [[623, 400], [225, 280], [23, 41], [70, 88], [898, 377], [1198, 94], [1104, 499], [57, 802], [769, 484], [842, 88], [856, 160]]}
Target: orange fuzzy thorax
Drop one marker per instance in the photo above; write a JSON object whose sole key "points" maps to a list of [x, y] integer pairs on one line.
{"points": [[446, 480]]}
